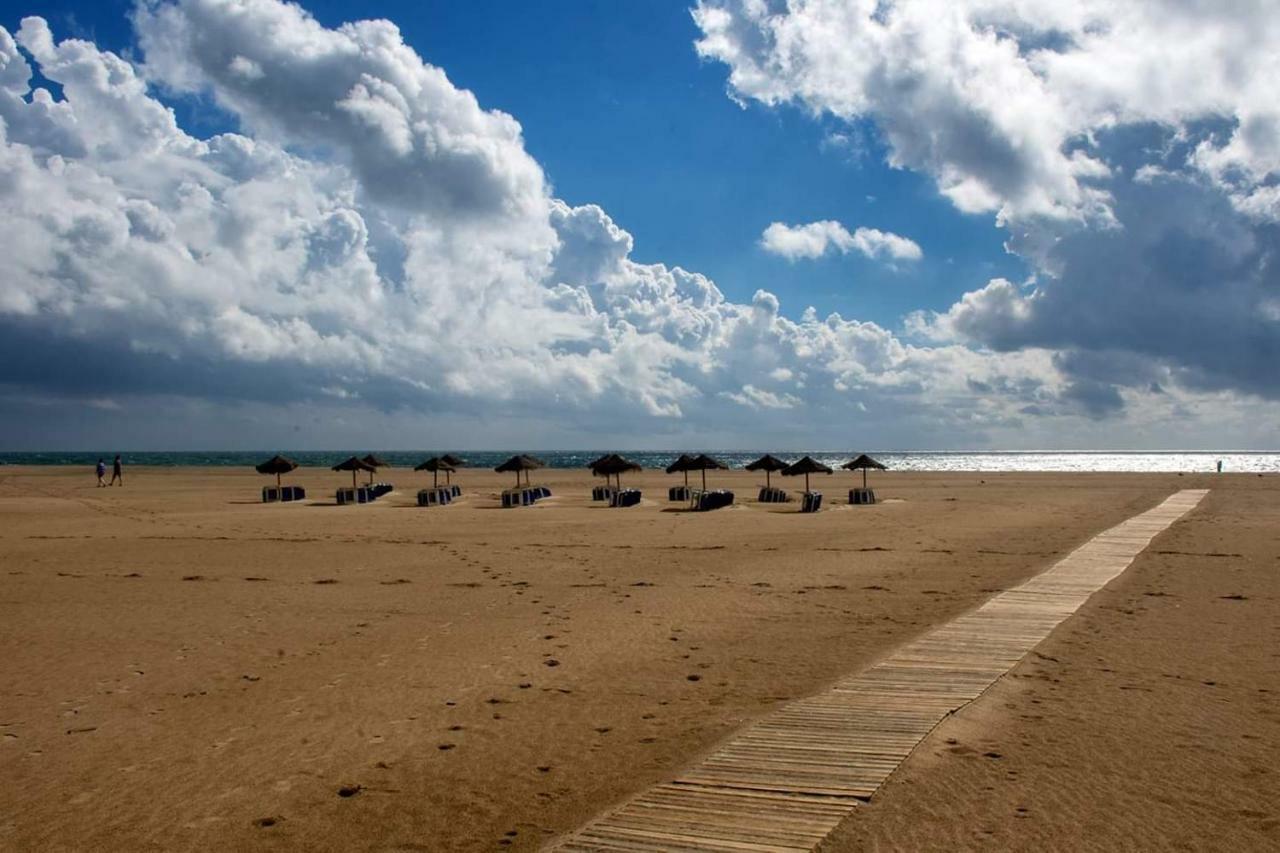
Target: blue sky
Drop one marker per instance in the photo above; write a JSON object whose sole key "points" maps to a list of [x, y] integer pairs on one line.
{"points": [[1028, 244]]}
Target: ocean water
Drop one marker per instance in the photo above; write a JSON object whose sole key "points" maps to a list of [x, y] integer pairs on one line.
{"points": [[1233, 461]]}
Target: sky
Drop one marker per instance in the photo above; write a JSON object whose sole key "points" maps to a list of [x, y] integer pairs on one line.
{"points": [[981, 224]]}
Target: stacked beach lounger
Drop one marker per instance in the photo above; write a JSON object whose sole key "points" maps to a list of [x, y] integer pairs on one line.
{"points": [[435, 496], [363, 494], [357, 495], [773, 495], [679, 493], [704, 501], [602, 493], [625, 497], [862, 496], [811, 502], [271, 494], [524, 496]]}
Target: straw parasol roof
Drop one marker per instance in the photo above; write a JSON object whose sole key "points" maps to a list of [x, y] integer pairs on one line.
{"points": [[374, 462], [681, 465], [276, 465], [613, 465], [864, 462], [808, 465], [521, 462], [353, 465], [768, 464], [435, 465], [702, 462], [456, 461]]}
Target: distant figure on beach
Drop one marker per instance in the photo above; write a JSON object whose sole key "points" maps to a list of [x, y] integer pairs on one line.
{"points": [[1219, 466], [102, 473], [115, 471]]}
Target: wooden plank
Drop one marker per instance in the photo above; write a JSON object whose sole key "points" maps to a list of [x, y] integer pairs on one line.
{"points": [[784, 783]]}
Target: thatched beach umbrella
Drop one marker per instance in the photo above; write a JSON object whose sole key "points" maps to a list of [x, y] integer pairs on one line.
{"points": [[767, 464], [864, 462], [613, 465], [702, 462], [353, 465], [808, 465], [456, 461], [684, 463], [599, 460], [435, 465], [521, 462], [276, 465], [374, 463]]}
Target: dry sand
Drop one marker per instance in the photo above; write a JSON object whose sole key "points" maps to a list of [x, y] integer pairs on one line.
{"points": [[186, 668]]}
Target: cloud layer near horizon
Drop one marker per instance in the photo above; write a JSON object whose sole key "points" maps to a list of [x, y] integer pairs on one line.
{"points": [[374, 236]]}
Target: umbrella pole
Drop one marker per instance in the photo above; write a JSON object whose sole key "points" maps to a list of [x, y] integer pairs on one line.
{"points": [[864, 478], [704, 479], [277, 479], [353, 478], [435, 479], [768, 483]]}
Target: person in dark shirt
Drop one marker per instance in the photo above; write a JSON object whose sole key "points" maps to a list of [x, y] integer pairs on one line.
{"points": [[115, 471]]}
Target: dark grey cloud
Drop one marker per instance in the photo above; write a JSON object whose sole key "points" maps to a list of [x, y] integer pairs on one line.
{"points": [[1186, 287]]}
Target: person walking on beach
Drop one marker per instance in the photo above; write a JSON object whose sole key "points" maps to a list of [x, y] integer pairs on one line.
{"points": [[102, 473], [115, 471]]}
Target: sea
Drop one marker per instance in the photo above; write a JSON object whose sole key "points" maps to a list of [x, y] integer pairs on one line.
{"points": [[1233, 461]]}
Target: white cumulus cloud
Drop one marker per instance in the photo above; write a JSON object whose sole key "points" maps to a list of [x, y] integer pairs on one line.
{"points": [[815, 239], [1000, 100]]}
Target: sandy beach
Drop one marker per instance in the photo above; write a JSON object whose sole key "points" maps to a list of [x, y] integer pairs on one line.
{"points": [[186, 668]]}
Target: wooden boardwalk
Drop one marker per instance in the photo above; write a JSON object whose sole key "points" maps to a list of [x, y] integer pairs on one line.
{"points": [[785, 782]]}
